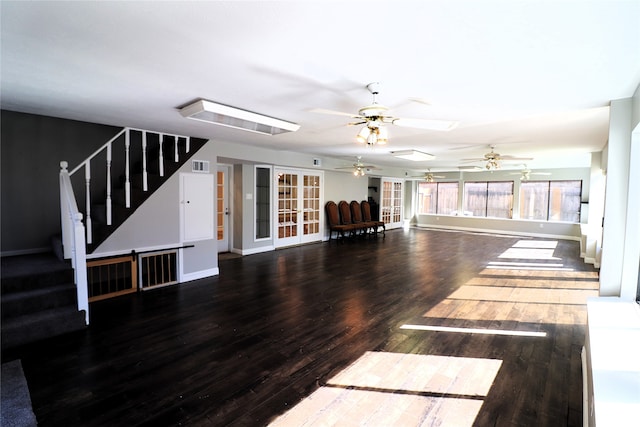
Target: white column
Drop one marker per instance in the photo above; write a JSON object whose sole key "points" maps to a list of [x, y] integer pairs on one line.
{"points": [[617, 188], [176, 157], [631, 259]]}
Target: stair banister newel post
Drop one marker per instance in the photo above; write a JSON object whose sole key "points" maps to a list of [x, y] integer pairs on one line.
{"points": [[87, 179], [73, 238], [127, 182], [145, 186], [176, 157], [65, 215], [80, 267], [188, 144], [108, 202]]}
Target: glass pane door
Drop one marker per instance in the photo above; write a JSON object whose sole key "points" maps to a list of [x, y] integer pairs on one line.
{"points": [[391, 203], [311, 208], [299, 201], [387, 202], [287, 205]]}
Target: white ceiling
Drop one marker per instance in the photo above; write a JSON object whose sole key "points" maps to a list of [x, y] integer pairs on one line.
{"points": [[532, 77]]}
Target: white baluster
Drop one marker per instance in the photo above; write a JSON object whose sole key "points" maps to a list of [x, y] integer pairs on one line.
{"points": [[161, 156], [176, 157], [127, 183], [87, 179], [144, 162], [109, 183], [188, 143]]}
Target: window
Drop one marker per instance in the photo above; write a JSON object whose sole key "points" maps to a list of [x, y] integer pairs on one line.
{"points": [[489, 199], [263, 202], [551, 200], [437, 198]]}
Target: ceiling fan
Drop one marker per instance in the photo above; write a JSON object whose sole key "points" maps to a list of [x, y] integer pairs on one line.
{"points": [[359, 168], [525, 173], [429, 177], [493, 159], [374, 116]]}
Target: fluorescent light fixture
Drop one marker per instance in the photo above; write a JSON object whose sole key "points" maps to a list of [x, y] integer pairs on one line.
{"points": [[416, 156], [223, 115]]}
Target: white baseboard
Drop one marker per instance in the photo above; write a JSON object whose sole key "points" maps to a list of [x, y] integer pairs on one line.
{"points": [[254, 250], [498, 232], [187, 277]]}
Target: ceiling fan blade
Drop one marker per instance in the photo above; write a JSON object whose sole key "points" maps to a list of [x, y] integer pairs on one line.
{"points": [[510, 158], [442, 125]]}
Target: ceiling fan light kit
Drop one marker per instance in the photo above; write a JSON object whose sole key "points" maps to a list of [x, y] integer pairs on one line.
{"points": [[224, 115], [374, 116], [373, 133]]}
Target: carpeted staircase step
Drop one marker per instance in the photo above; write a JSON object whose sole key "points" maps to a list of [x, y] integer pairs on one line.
{"points": [[30, 272], [16, 304], [44, 324], [39, 299]]}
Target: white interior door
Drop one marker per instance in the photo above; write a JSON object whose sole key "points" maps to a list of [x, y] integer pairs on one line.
{"points": [[197, 206], [222, 208], [391, 202], [298, 207]]}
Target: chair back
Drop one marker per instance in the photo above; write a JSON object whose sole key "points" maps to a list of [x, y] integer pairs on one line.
{"points": [[332, 213], [356, 212], [345, 212], [366, 210]]}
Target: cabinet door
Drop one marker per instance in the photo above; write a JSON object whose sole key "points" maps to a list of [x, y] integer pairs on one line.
{"points": [[197, 203]]}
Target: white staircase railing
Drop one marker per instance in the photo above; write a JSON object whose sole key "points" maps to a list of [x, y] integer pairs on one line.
{"points": [[108, 148], [73, 238], [73, 230]]}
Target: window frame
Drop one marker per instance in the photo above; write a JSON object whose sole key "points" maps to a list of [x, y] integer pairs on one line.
{"points": [[465, 201], [548, 208], [438, 207]]}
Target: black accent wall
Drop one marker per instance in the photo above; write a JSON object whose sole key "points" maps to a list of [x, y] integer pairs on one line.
{"points": [[31, 148]]}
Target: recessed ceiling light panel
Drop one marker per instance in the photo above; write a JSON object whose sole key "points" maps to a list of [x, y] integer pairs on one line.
{"points": [[223, 115], [416, 156]]}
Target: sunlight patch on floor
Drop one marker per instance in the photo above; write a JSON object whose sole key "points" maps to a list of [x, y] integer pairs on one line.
{"points": [[529, 253], [546, 244], [519, 282], [525, 295], [539, 334], [540, 273], [497, 311], [396, 389]]}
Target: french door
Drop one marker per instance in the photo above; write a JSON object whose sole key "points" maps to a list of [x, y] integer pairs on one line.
{"points": [[222, 208], [298, 207], [391, 203]]}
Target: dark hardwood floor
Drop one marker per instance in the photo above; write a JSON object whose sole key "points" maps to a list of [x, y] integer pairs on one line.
{"points": [[292, 336]]}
